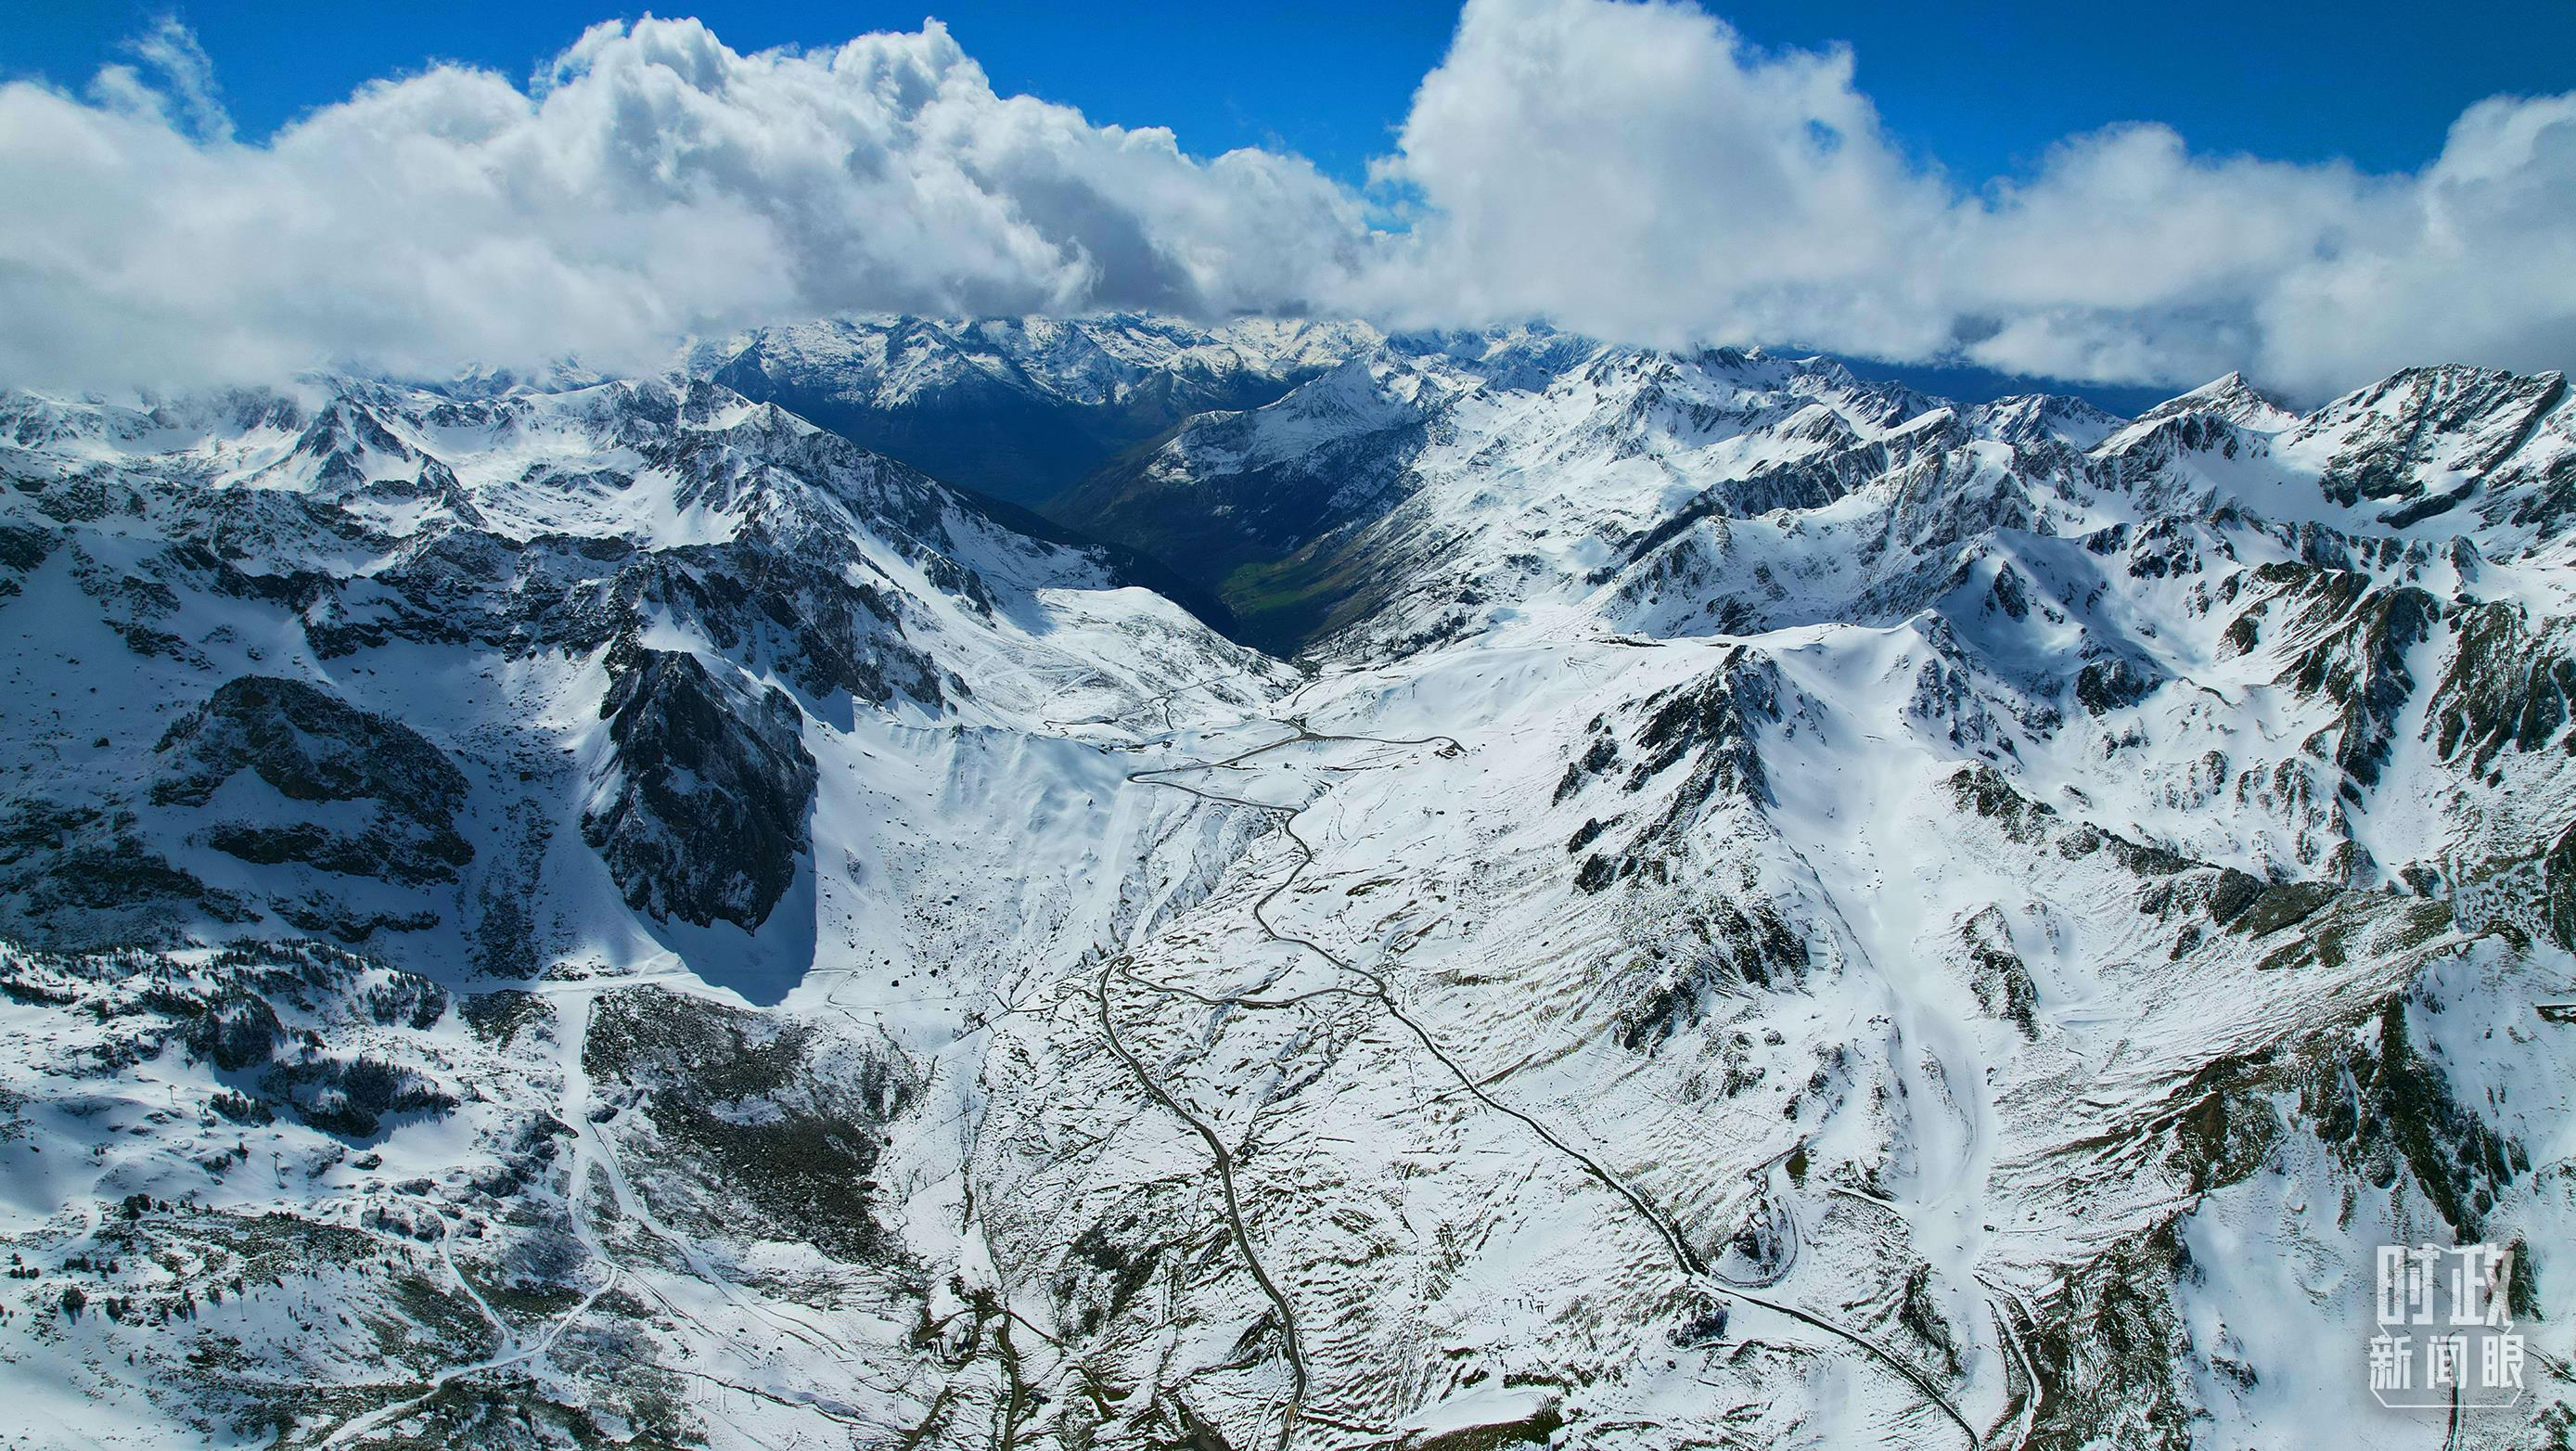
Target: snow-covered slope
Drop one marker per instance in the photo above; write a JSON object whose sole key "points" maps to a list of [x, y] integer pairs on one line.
{"points": [[1777, 911], [1019, 407], [1463, 470]]}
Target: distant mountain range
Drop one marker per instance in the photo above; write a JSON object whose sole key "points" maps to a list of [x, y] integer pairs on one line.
{"points": [[1019, 408]]}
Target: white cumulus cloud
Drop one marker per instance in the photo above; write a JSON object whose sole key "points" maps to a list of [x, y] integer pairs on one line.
{"points": [[655, 183], [1628, 169], [1635, 169]]}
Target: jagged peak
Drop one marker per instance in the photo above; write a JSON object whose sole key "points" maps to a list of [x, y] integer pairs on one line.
{"points": [[2231, 396], [2456, 389], [2054, 406]]}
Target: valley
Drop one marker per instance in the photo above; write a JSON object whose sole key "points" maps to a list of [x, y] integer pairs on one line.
{"points": [[1657, 899]]}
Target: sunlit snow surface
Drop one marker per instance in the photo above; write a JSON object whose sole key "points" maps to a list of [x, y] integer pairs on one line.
{"points": [[1798, 915]]}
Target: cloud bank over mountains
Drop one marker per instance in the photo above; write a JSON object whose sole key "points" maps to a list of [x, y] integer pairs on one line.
{"points": [[1631, 170]]}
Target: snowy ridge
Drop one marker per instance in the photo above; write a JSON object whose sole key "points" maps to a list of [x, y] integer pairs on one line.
{"points": [[1019, 407], [1774, 910]]}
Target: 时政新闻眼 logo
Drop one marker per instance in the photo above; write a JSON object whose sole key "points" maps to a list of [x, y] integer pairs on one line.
{"points": [[2445, 1335]]}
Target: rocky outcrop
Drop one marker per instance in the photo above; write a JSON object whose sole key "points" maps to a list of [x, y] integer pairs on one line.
{"points": [[2507, 687], [75, 877], [2358, 638], [701, 813], [1711, 725], [761, 1126], [313, 747]]}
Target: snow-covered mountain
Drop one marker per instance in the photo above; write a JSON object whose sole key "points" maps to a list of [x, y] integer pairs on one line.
{"points": [[1772, 910], [1018, 407]]}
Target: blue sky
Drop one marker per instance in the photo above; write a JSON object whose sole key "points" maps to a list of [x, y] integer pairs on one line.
{"points": [[1982, 90], [2119, 197]]}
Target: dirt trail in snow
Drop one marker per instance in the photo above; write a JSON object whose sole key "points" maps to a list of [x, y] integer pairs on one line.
{"points": [[1224, 1160], [1685, 1258]]}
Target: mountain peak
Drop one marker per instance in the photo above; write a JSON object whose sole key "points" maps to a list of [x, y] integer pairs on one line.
{"points": [[714, 815], [2231, 396]]}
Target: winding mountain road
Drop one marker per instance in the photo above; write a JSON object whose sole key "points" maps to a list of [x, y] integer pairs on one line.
{"points": [[1685, 1258]]}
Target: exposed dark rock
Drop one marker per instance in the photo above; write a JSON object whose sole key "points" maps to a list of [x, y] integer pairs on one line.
{"points": [[702, 813], [74, 877], [1534, 1429], [2558, 886], [1596, 873], [2234, 892], [2357, 637], [1807, 484], [1983, 790], [2383, 1104], [2112, 1356], [1595, 761], [1996, 972], [2110, 684], [2274, 908], [2166, 548], [766, 1126], [1732, 948], [2008, 594], [320, 914], [2506, 688], [1103, 1275], [1712, 723], [311, 746], [2403, 418], [22, 549], [763, 602]]}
